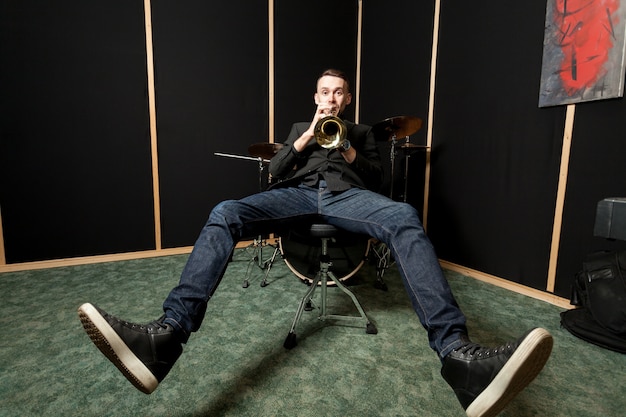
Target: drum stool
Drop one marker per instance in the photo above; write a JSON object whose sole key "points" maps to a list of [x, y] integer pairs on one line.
{"points": [[326, 232]]}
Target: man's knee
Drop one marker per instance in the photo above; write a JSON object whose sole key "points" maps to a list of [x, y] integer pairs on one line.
{"points": [[225, 212], [407, 211]]}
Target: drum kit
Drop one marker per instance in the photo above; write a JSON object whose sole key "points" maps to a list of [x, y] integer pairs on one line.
{"points": [[300, 253], [397, 131]]}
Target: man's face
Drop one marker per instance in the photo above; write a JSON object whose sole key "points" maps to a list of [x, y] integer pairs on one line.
{"points": [[333, 90]]}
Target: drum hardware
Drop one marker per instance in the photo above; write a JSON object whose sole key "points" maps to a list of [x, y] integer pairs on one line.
{"points": [[260, 160], [301, 254], [262, 153], [264, 150], [257, 259], [390, 130], [383, 262], [398, 126], [408, 149], [397, 131], [347, 254]]}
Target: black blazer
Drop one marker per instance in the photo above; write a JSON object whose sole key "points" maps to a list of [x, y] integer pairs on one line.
{"points": [[289, 167]]}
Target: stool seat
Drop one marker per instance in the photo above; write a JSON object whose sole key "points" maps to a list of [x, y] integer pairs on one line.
{"points": [[323, 230]]}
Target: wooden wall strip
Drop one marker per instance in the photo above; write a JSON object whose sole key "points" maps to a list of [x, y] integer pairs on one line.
{"points": [[357, 85], [509, 285], [3, 258], [431, 109], [88, 260], [270, 25], [153, 126], [127, 256], [560, 197]]}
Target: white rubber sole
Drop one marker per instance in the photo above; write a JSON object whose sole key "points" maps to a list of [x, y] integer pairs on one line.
{"points": [[114, 348], [519, 371]]}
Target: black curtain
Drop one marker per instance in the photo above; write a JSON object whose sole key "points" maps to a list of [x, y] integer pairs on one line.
{"points": [[496, 155], [395, 81], [310, 36], [74, 131], [597, 171], [211, 64]]}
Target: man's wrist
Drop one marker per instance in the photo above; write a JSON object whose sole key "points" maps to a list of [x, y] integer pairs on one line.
{"points": [[345, 146]]}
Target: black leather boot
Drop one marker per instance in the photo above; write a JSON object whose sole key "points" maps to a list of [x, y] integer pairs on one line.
{"points": [[486, 379], [143, 353]]}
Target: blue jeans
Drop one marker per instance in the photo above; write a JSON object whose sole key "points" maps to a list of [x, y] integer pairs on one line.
{"points": [[355, 210]]}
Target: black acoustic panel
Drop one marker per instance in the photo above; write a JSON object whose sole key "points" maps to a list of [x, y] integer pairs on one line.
{"points": [[310, 36], [495, 158], [395, 80], [211, 63], [395, 71], [75, 170], [596, 171]]}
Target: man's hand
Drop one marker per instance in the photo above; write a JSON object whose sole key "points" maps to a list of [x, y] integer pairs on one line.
{"points": [[323, 110]]}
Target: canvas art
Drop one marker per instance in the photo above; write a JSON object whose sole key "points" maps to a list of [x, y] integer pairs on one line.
{"points": [[583, 51]]}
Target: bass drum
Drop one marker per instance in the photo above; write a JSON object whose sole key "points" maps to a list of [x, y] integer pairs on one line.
{"points": [[301, 253]]}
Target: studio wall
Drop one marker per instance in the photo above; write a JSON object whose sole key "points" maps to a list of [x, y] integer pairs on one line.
{"points": [[497, 157], [308, 41], [211, 72], [597, 171], [75, 175], [75, 145], [395, 74]]}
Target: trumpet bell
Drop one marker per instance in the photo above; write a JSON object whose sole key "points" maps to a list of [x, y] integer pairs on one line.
{"points": [[330, 132]]}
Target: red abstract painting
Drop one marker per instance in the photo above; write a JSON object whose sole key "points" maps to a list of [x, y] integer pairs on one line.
{"points": [[583, 56]]}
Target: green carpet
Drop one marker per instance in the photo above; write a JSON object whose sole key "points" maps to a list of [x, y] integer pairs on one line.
{"points": [[236, 365]]}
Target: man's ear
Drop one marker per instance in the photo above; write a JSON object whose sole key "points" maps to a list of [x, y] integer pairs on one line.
{"points": [[315, 98], [348, 98]]}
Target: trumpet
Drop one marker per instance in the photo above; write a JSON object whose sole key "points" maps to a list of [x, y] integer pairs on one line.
{"points": [[330, 132]]}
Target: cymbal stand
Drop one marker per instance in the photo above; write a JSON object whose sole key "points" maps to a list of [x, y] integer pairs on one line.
{"points": [[406, 173], [383, 262], [259, 242], [393, 155], [381, 250]]}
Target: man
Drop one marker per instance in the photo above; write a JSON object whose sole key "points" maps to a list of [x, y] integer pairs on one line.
{"points": [[333, 184]]}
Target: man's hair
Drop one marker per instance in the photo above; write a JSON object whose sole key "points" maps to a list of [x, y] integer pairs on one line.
{"points": [[337, 73]]}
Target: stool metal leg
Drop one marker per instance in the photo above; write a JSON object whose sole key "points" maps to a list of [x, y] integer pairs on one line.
{"points": [[322, 276], [290, 341]]}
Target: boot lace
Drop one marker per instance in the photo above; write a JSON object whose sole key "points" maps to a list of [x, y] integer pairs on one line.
{"points": [[472, 350]]}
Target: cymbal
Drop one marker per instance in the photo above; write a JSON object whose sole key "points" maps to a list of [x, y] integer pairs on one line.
{"points": [[264, 150], [398, 126]]}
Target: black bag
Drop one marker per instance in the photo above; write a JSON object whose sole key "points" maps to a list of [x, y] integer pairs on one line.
{"points": [[599, 292]]}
